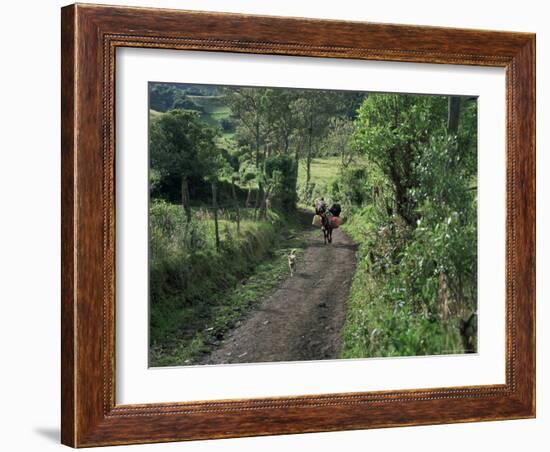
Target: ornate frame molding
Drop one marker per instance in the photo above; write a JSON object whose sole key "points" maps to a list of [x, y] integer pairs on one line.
{"points": [[90, 37]]}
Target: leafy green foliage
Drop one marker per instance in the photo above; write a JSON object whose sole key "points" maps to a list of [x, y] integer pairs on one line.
{"points": [[164, 97], [338, 141], [250, 107], [392, 130], [417, 271], [180, 145], [282, 171]]}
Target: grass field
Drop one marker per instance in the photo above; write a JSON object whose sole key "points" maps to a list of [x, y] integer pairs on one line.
{"points": [[213, 106], [214, 110], [323, 169]]}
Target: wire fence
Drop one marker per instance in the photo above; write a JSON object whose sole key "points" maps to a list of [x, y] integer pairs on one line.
{"points": [[226, 212]]}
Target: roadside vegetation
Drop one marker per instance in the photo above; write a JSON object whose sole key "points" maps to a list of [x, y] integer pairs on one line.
{"points": [[199, 292], [415, 289]]}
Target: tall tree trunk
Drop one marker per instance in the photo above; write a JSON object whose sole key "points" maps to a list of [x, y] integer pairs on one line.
{"points": [[185, 199], [247, 202], [453, 114], [215, 208], [265, 200], [444, 297], [257, 144], [259, 196], [399, 171], [402, 204], [308, 156], [236, 202]]}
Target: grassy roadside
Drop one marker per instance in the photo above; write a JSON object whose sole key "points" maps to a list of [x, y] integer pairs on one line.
{"points": [[381, 321], [204, 325]]}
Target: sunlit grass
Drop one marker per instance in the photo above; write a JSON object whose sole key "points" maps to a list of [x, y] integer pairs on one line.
{"points": [[323, 169]]}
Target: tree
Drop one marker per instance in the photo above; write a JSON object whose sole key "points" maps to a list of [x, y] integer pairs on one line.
{"points": [[312, 109], [248, 175], [347, 103], [249, 106], [227, 171], [282, 117], [234, 178], [215, 209], [161, 96], [219, 167], [453, 114], [338, 141], [181, 146], [167, 96], [281, 175], [391, 131]]}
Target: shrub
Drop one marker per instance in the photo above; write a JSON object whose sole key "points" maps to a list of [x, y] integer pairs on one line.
{"points": [[283, 171]]}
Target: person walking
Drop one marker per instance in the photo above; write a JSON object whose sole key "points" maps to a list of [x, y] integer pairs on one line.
{"points": [[320, 206]]}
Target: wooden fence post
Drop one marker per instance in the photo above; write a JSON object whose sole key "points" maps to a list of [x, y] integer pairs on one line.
{"points": [[215, 207]]}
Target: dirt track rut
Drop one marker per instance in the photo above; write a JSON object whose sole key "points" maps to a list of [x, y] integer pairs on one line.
{"points": [[303, 318]]}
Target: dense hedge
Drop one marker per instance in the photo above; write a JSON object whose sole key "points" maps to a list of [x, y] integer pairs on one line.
{"points": [[169, 189], [284, 169]]}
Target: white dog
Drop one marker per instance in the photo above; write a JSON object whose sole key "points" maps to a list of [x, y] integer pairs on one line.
{"points": [[292, 262]]}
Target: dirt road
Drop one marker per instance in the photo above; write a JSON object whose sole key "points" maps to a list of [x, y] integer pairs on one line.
{"points": [[303, 318]]}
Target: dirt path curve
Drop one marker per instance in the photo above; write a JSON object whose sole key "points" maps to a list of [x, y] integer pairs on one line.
{"points": [[303, 318]]}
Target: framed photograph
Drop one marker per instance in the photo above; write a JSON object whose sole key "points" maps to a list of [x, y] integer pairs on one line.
{"points": [[280, 225]]}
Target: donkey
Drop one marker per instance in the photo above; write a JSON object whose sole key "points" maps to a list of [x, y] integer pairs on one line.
{"points": [[326, 227]]}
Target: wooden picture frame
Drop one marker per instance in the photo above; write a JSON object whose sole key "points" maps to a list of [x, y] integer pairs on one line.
{"points": [[90, 36]]}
